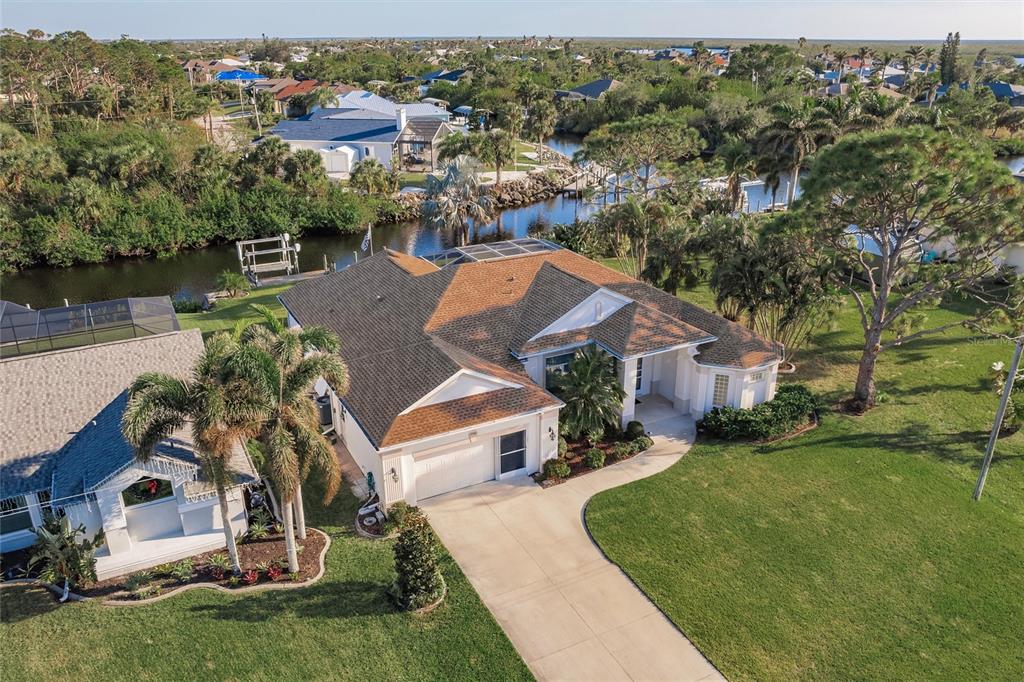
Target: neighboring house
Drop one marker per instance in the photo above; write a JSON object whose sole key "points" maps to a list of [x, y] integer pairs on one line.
{"points": [[62, 451], [368, 101], [345, 137], [590, 91], [450, 358], [1006, 92]]}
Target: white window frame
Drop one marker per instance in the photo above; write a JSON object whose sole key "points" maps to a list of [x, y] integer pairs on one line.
{"points": [[724, 402], [639, 374], [500, 454], [757, 376]]}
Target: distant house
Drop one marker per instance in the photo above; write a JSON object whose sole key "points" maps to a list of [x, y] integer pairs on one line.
{"points": [[63, 452], [1006, 92], [368, 101], [345, 137], [593, 90]]}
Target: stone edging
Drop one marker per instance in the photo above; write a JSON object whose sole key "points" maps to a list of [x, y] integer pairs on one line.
{"points": [[185, 588], [424, 610]]}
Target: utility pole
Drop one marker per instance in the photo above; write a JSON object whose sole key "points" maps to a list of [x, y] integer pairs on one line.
{"points": [[1000, 413]]}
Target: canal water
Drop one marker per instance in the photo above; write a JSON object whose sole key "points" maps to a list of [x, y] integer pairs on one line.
{"points": [[192, 273]]}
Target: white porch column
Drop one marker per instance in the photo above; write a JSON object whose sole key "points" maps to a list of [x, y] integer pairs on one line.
{"points": [[627, 376]]}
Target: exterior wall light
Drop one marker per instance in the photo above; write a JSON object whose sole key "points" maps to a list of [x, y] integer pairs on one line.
{"points": [[551, 433], [394, 475]]}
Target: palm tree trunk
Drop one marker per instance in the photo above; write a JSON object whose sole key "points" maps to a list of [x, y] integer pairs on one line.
{"points": [[791, 190], [289, 539], [225, 519], [300, 513]]}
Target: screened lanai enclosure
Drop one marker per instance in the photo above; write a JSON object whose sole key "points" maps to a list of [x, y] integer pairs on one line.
{"points": [[24, 330]]}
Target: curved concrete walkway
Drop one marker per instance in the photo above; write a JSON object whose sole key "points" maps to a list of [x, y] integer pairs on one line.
{"points": [[570, 613]]}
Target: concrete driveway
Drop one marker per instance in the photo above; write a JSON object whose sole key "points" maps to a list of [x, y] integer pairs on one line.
{"points": [[570, 613]]}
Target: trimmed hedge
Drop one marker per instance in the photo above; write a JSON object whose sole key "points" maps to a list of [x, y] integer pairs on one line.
{"points": [[792, 406], [634, 430], [594, 458], [556, 468]]}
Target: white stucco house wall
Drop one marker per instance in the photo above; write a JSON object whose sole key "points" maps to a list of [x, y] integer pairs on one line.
{"points": [[63, 453], [450, 358]]}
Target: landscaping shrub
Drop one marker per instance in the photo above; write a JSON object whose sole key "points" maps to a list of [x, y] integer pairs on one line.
{"points": [[419, 581], [634, 430], [136, 581], [187, 304], [594, 458], [64, 556], [218, 565], [399, 515], [640, 444], [259, 520], [182, 571], [563, 446], [622, 450], [250, 577], [556, 468], [790, 408]]}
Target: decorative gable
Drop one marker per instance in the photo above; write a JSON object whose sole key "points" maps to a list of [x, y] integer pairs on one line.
{"points": [[591, 311], [462, 384]]}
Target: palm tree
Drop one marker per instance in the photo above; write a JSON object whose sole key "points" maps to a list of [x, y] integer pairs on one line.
{"points": [[497, 147], [540, 123], [591, 392], [840, 57], [843, 112], [219, 408], [800, 42], [456, 198], [632, 226], [284, 364], [740, 166], [369, 177], [322, 97], [795, 134], [913, 58], [305, 169]]}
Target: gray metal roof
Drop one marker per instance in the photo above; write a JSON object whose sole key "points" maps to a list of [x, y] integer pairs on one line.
{"points": [[337, 130]]}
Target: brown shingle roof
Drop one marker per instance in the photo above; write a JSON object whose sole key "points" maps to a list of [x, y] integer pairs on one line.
{"points": [[406, 327]]}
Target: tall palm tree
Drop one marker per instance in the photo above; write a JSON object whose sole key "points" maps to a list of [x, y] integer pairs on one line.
{"points": [[284, 364], [540, 123], [795, 134], [591, 392], [740, 166], [456, 198], [839, 57], [219, 408]]}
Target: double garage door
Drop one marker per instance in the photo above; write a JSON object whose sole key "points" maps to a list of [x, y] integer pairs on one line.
{"points": [[468, 464]]}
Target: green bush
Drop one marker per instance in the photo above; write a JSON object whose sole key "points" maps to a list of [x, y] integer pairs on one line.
{"points": [[556, 469], [634, 430], [790, 408], [640, 444], [594, 458], [399, 515], [563, 446], [187, 304], [64, 557], [182, 571], [419, 581], [622, 451], [134, 582]]}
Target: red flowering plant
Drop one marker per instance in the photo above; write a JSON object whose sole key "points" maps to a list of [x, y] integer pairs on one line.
{"points": [[250, 577]]}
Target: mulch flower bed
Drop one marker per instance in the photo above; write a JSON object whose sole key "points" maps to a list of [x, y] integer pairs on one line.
{"points": [[574, 457], [262, 561]]}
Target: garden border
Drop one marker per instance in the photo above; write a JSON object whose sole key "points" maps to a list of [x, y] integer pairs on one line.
{"points": [[249, 589]]}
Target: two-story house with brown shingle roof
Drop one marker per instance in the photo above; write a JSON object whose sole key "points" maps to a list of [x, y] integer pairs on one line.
{"points": [[450, 357]]}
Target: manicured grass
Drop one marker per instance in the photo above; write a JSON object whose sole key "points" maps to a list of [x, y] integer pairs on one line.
{"points": [[341, 628], [854, 551], [229, 311], [414, 180]]}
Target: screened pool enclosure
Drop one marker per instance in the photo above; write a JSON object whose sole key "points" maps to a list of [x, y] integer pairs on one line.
{"points": [[24, 330]]}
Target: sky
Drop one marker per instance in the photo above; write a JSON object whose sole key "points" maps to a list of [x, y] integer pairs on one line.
{"points": [[813, 19]]}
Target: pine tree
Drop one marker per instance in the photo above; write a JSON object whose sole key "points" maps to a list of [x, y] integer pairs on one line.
{"points": [[948, 56]]}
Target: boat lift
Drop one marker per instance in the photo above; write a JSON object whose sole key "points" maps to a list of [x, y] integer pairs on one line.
{"points": [[268, 255]]}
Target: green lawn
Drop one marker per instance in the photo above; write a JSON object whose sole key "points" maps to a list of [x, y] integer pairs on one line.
{"points": [[852, 552], [342, 628], [228, 311]]}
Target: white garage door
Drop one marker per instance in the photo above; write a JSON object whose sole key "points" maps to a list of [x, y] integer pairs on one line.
{"points": [[465, 465]]}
